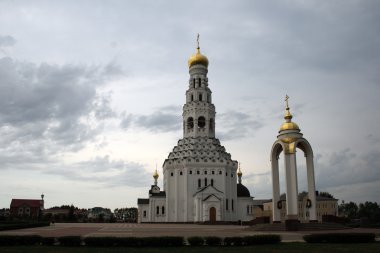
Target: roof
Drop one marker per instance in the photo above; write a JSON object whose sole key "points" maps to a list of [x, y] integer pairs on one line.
{"points": [[260, 202], [29, 202], [142, 201], [242, 191], [205, 187], [160, 194], [302, 195]]}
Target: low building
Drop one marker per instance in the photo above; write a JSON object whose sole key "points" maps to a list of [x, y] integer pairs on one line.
{"points": [[31, 208], [99, 214], [324, 206]]}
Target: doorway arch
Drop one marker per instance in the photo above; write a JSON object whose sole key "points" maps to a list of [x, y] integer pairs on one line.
{"points": [[212, 214]]}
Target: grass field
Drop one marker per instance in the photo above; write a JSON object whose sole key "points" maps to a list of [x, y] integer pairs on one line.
{"points": [[279, 248]]}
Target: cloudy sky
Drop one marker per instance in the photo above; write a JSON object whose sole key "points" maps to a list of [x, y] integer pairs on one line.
{"points": [[91, 92]]}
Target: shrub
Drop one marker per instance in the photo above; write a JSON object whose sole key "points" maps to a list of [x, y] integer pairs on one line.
{"points": [[195, 241], [340, 238], [213, 241], [163, 241], [12, 240], [48, 241], [261, 239], [70, 241], [19, 225], [127, 241], [233, 241], [100, 241]]}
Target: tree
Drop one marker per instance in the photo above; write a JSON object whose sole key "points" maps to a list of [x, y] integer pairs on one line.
{"points": [[326, 194], [371, 210], [349, 210]]}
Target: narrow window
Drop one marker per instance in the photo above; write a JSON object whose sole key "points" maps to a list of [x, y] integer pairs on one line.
{"points": [[213, 172], [227, 204], [171, 174], [194, 83], [232, 175], [157, 210], [192, 97], [163, 210], [199, 183], [212, 182], [208, 98], [232, 204], [247, 209], [205, 181], [200, 82], [220, 172], [191, 172], [205, 172], [226, 174], [200, 97], [144, 214], [201, 122], [180, 173], [190, 123], [197, 172]]}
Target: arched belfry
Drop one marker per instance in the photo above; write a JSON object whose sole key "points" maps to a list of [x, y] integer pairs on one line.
{"points": [[288, 140]]}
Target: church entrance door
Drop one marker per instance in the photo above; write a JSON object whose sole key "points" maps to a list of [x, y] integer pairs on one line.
{"points": [[212, 214]]}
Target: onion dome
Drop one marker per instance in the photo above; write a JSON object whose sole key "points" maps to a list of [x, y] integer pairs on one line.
{"points": [[242, 191], [288, 124], [198, 58], [155, 174]]}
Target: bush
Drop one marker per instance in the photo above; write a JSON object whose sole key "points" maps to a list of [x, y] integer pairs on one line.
{"points": [[48, 241], [233, 241], [195, 241], [70, 241], [19, 225], [100, 241], [261, 239], [163, 241], [213, 241], [12, 240], [340, 238], [127, 241]]}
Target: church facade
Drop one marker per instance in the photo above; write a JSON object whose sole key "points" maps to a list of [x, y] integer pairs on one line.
{"points": [[201, 182]]}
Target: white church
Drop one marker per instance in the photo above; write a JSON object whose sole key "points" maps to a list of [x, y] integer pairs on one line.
{"points": [[201, 182]]}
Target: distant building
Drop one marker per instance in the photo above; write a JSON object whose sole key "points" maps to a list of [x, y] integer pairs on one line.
{"points": [[27, 207], [324, 206], [99, 214], [5, 212]]}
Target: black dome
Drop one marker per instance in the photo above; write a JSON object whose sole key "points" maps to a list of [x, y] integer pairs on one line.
{"points": [[242, 191]]}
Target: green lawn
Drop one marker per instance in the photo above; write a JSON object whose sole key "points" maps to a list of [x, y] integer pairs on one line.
{"points": [[279, 248]]}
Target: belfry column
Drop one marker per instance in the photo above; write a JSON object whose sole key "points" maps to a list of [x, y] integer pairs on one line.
{"points": [[311, 188], [291, 186], [276, 189]]}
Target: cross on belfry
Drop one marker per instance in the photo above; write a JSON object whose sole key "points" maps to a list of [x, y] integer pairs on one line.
{"points": [[286, 100], [198, 40]]}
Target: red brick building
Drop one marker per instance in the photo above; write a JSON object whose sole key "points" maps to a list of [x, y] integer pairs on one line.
{"points": [[26, 207]]}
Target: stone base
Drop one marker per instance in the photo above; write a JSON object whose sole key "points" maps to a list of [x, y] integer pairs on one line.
{"points": [[313, 221], [292, 224]]}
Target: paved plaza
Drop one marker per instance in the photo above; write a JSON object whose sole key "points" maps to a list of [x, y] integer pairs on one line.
{"points": [[145, 230]]}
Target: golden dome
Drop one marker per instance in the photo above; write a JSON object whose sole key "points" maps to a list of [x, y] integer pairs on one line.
{"points": [[155, 174], [289, 126], [198, 58], [239, 172]]}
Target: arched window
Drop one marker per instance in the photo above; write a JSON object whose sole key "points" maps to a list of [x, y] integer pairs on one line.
{"points": [[247, 209], [199, 183], [208, 98], [194, 83], [232, 204], [212, 182], [201, 122], [190, 123], [144, 214], [227, 204], [192, 97], [157, 210], [163, 210], [200, 82], [205, 181], [200, 97]]}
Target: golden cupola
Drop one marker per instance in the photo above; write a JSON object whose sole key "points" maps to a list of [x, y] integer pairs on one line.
{"points": [[198, 58], [288, 124], [155, 174]]}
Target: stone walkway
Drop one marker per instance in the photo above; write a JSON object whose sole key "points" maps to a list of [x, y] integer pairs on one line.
{"points": [[145, 230]]}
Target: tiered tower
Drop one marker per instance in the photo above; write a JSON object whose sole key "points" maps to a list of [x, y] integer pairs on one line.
{"points": [[199, 175]]}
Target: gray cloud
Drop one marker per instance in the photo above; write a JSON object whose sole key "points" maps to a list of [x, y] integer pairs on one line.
{"points": [[7, 41], [104, 171], [165, 119], [47, 109], [234, 125]]}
